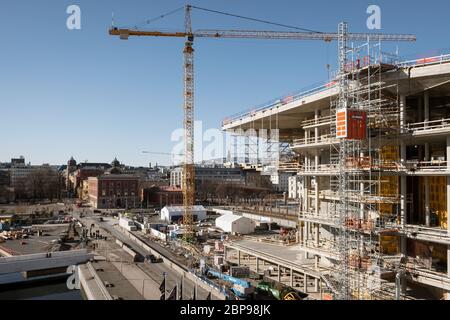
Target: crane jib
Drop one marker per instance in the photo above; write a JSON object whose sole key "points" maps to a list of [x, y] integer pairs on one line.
{"points": [[257, 34]]}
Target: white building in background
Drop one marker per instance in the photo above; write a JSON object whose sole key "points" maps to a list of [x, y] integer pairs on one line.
{"points": [[175, 213], [127, 224], [280, 181], [235, 224], [176, 177], [295, 187]]}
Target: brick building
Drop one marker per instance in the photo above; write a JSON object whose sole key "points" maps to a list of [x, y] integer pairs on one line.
{"points": [[114, 191], [162, 196], [77, 174]]}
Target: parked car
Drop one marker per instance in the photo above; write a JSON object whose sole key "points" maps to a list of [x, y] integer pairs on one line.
{"points": [[152, 259]]}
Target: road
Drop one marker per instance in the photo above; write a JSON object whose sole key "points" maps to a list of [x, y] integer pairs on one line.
{"points": [[154, 271]]}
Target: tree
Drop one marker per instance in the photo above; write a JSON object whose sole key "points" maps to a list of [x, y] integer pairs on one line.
{"points": [[45, 183]]}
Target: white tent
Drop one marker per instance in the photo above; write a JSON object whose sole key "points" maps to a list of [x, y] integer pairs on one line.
{"points": [[235, 224], [175, 213]]}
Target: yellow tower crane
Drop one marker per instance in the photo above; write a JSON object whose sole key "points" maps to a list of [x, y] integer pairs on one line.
{"points": [[188, 182]]}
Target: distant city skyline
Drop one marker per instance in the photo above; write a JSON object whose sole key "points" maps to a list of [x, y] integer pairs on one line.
{"points": [[85, 94]]}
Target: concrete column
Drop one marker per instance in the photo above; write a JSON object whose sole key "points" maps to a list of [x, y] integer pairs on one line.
{"points": [[316, 187], [292, 278], [225, 253], [279, 273], [427, 188], [302, 237], [448, 212], [420, 109], [403, 185], [321, 291], [239, 257], [448, 188], [426, 108], [402, 112], [316, 266], [317, 235], [305, 283], [308, 237], [257, 264], [305, 238], [403, 193], [306, 164], [316, 129], [306, 191]]}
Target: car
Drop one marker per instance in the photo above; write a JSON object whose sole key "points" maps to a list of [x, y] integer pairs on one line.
{"points": [[150, 258], [153, 259]]}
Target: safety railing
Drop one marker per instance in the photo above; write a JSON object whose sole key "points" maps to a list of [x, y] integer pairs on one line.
{"points": [[435, 233], [327, 219], [322, 86], [435, 165], [318, 122], [321, 168], [355, 196], [429, 125], [328, 138], [425, 61], [279, 102]]}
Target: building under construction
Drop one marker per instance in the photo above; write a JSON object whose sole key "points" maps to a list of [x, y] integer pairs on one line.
{"points": [[373, 179]]}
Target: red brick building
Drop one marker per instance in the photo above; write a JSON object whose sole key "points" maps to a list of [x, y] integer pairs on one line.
{"points": [[114, 191], [162, 196]]}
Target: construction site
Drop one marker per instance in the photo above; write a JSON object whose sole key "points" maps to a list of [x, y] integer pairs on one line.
{"points": [[355, 205], [372, 176], [368, 150]]}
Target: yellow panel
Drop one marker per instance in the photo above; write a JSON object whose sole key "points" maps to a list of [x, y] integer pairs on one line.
{"points": [[389, 245]]}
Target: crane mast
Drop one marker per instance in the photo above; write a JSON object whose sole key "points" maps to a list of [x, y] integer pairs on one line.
{"points": [[188, 179]]}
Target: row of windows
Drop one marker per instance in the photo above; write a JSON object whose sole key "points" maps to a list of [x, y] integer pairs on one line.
{"points": [[118, 185], [118, 193]]}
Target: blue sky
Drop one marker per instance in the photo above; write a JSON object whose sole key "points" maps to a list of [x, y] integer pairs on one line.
{"points": [[85, 94]]}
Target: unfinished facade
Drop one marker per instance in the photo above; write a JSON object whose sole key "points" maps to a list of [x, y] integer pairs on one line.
{"points": [[385, 164]]}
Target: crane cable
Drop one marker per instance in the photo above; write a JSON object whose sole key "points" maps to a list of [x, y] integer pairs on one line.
{"points": [[256, 20], [148, 21]]}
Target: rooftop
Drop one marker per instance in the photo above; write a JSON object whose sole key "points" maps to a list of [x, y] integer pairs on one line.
{"points": [[181, 208], [229, 218]]}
